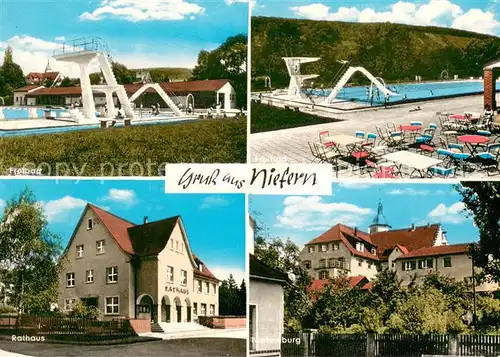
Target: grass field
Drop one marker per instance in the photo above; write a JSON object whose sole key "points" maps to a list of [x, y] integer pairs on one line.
{"points": [[131, 151], [269, 118]]}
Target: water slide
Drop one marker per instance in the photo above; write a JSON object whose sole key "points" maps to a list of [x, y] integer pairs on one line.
{"points": [[348, 74], [162, 94]]}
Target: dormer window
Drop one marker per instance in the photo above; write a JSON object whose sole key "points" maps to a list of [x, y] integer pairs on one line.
{"points": [[90, 224], [360, 247], [336, 246], [324, 247], [310, 249], [374, 251]]}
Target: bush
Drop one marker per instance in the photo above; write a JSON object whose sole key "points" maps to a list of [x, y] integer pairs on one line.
{"points": [[7, 310], [207, 321], [85, 312], [269, 118], [137, 150]]}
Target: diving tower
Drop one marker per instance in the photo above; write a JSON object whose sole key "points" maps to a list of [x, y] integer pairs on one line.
{"points": [[161, 93], [296, 78], [83, 51], [349, 73]]}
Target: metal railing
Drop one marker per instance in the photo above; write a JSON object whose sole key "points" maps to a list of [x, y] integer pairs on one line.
{"points": [[83, 44]]}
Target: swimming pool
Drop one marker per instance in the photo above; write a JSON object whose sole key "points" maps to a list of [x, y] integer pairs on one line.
{"points": [[65, 129], [23, 113], [413, 91]]}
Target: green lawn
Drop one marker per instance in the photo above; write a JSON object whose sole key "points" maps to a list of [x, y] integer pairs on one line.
{"points": [[138, 150], [269, 118]]}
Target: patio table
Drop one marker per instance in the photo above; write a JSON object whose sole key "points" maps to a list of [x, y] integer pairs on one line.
{"points": [[473, 142], [419, 163], [348, 141], [413, 130]]}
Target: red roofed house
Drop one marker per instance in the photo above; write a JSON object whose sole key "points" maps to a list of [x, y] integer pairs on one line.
{"points": [[343, 251], [205, 94], [145, 271]]}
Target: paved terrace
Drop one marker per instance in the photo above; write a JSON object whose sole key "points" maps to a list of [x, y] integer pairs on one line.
{"points": [[290, 145]]}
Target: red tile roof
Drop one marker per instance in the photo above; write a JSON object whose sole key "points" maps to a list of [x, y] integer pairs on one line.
{"points": [[116, 226], [319, 284], [367, 286], [209, 85], [205, 272], [407, 240], [435, 251], [27, 88], [57, 91], [42, 76], [340, 232], [411, 239]]}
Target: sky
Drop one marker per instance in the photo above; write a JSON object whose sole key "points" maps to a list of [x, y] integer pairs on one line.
{"points": [[472, 15], [303, 218], [139, 33], [215, 224]]}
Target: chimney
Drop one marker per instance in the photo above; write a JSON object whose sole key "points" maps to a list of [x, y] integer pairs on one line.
{"points": [[200, 267], [145, 219], [412, 227], [355, 230], [428, 224]]}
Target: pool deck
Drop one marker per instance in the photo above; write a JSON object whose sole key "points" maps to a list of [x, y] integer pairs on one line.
{"points": [[9, 125], [290, 145]]}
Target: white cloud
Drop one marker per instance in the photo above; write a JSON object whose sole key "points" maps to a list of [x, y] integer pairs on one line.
{"points": [[408, 192], [448, 214], [60, 38], [143, 10], [32, 54], [214, 201], [353, 185], [433, 13], [3, 203], [58, 210], [313, 214], [223, 272], [127, 197]]}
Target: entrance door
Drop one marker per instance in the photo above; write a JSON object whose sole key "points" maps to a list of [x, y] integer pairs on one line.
{"points": [[179, 313], [189, 314], [154, 313], [167, 313]]}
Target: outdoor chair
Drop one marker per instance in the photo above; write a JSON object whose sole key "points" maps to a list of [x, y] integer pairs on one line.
{"points": [[329, 157], [371, 146], [314, 152], [489, 159], [360, 134], [380, 171], [427, 136], [396, 139], [324, 134], [360, 154], [416, 123], [391, 126], [383, 137], [426, 149], [442, 172]]}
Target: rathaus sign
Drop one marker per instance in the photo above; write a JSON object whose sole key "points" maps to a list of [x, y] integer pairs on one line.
{"points": [[176, 289]]}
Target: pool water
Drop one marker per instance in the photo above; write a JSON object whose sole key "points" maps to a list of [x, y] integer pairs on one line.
{"points": [[65, 129], [23, 113], [413, 91]]}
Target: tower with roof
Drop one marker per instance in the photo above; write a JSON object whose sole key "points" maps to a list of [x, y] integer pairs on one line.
{"points": [[379, 223]]}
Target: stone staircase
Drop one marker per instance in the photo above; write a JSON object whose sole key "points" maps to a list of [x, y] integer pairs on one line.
{"points": [[155, 327]]}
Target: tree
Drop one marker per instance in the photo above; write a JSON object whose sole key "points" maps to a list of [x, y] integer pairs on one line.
{"points": [[230, 298], [228, 61], [482, 202], [95, 78], [122, 73], [11, 74], [29, 252], [426, 311], [66, 82], [338, 305], [48, 83], [386, 293]]}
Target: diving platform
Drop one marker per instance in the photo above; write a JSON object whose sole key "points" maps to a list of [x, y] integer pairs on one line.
{"points": [[296, 77]]}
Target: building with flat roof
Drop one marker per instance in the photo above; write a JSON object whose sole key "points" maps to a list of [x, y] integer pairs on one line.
{"points": [[203, 93], [136, 271]]}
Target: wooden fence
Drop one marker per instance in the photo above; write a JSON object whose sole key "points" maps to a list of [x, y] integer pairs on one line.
{"points": [[65, 327], [388, 345]]}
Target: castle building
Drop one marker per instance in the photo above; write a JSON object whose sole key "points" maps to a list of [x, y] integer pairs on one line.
{"points": [[412, 252]]}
